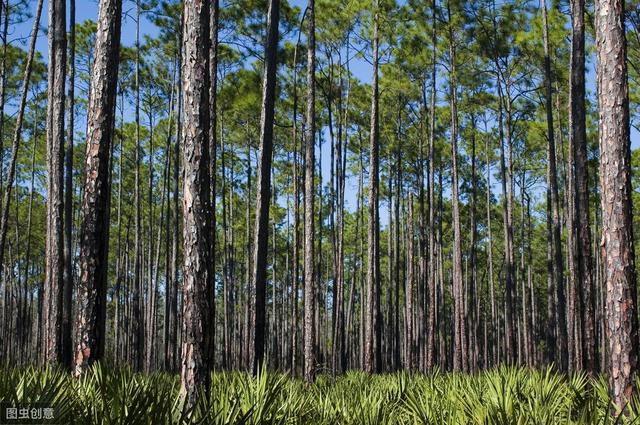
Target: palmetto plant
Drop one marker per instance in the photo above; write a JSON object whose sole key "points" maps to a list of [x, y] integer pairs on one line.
{"points": [[107, 395]]}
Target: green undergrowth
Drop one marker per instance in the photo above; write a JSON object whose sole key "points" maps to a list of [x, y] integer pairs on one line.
{"points": [[500, 396]]}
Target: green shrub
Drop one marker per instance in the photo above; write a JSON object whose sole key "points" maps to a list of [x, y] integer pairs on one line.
{"points": [[107, 395]]}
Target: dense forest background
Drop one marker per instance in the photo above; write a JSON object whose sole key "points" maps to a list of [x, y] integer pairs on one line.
{"points": [[447, 210]]}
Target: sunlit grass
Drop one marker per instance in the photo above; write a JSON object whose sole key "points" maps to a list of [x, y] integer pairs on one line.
{"points": [[500, 396]]}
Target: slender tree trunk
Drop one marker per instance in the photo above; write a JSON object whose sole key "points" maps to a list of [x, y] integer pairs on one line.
{"points": [[14, 150], [150, 299], [213, 144], [198, 273], [371, 344], [410, 351], [24, 340], [581, 257], [172, 351], [138, 301], [296, 211], [94, 240], [531, 311], [431, 328], [474, 317], [557, 261], [495, 333], [170, 287], [617, 216], [509, 335], [67, 339], [460, 360], [309, 167], [54, 260], [394, 316], [4, 4], [263, 196]]}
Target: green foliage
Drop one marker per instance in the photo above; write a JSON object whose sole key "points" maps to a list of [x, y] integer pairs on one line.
{"points": [[501, 396]]}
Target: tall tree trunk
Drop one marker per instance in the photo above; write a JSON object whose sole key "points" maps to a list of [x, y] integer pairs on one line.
{"points": [[460, 360], [54, 260], [94, 239], [119, 252], [531, 311], [395, 280], [309, 171], [296, 211], [170, 287], [431, 328], [495, 333], [263, 196], [4, 4], [16, 145], [172, 350], [138, 301], [67, 339], [249, 261], [581, 255], [617, 216], [198, 273], [24, 337], [372, 341], [213, 145], [150, 299], [474, 316], [557, 261], [409, 329]]}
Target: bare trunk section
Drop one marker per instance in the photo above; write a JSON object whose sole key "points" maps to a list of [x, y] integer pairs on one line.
{"points": [[67, 291], [556, 243], [198, 274], [213, 145], [263, 196], [409, 326], [138, 297], [309, 192], [460, 359], [579, 215], [94, 233], [431, 328], [372, 341], [54, 260], [617, 217]]}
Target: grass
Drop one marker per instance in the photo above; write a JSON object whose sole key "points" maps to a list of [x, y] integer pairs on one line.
{"points": [[500, 396]]}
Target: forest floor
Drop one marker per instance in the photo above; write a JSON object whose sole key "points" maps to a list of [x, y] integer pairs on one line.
{"points": [[500, 396]]}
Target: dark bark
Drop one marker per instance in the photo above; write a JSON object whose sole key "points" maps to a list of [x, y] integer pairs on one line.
{"points": [[67, 339], [409, 289], [138, 294], [263, 196], [309, 195], [213, 145], [431, 328], [473, 318], [54, 260], [4, 4], [557, 261], [460, 359], [581, 255], [296, 209], [94, 233], [172, 350], [617, 217], [495, 332], [15, 146], [372, 322], [198, 277]]}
